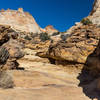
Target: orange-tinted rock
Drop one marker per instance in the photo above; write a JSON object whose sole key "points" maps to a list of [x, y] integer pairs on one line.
{"points": [[50, 29]]}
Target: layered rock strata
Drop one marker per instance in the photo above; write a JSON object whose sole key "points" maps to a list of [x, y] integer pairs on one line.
{"points": [[76, 48]]}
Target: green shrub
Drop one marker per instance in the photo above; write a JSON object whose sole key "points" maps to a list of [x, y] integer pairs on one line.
{"points": [[33, 35], [64, 36], [86, 21], [44, 37], [27, 37]]}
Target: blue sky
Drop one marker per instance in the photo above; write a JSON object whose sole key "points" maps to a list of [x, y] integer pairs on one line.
{"points": [[62, 14]]}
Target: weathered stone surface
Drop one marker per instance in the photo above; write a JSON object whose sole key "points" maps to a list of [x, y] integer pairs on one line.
{"points": [[10, 48], [14, 48], [96, 7], [82, 42], [40, 79], [50, 29], [19, 20], [95, 13], [22, 21]]}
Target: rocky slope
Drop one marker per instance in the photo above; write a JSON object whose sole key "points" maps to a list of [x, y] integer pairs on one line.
{"points": [[19, 20], [22, 21], [96, 7], [95, 13]]}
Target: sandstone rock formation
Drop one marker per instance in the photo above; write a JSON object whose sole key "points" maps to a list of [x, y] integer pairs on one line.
{"points": [[65, 55], [19, 20], [22, 21], [96, 7], [50, 29], [82, 42], [10, 48], [95, 13]]}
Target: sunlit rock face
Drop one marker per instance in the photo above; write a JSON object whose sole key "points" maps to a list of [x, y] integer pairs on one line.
{"points": [[95, 13], [19, 20], [96, 7], [50, 29]]}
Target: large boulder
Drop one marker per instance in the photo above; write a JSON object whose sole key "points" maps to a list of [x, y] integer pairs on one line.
{"points": [[14, 48], [15, 52], [6, 80], [10, 48]]}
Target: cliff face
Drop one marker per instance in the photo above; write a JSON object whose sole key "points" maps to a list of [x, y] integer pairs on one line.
{"points": [[19, 20], [22, 21], [95, 13], [96, 7]]}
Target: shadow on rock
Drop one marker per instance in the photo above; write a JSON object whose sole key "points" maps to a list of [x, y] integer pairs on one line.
{"points": [[89, 75], [89, 84]]}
